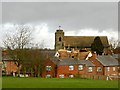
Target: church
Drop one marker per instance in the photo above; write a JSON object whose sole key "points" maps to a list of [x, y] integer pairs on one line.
{"points": [[77, 42]]}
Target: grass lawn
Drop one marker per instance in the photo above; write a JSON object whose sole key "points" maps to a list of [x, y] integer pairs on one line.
{"points": [[15, 82]]}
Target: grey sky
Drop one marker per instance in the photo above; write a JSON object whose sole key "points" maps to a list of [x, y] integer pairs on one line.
{"points": [[69, 15], [74, 16]]}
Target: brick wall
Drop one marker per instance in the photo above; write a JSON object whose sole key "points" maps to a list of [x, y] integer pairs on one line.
{"points": [[94, 60], [10, 67], [52, 72], [66, 72], [111, 71]]}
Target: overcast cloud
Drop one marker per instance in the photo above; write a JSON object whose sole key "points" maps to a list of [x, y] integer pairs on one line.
{"points": [[76, 18]]}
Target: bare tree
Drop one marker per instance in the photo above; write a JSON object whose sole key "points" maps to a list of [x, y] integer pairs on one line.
{"points": [[20, 39], [114, 43], [17, 42]]}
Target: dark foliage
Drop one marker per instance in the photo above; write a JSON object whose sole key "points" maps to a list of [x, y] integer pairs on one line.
{"points": [[97, 46]]}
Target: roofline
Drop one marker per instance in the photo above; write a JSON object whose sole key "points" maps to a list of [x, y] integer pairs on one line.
{"points": [[100, 61], [107, 65], [85, 36]]}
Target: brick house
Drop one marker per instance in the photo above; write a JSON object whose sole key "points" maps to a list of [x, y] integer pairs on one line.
{"points": [[105, 65], [8, 64], [49, 69], [110, 65], [68, 67], [71, 67]]}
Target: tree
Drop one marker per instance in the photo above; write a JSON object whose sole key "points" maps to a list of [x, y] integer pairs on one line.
{"points": [[97, 46], [114, 43], [33, 62], [17, 42]]}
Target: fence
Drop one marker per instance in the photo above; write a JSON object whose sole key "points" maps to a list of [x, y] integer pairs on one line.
{"points": [[95, 77]]}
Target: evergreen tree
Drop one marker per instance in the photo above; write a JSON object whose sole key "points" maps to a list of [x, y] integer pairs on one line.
{"points": [[97, 46]]}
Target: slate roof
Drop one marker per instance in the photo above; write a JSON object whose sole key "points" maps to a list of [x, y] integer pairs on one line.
{"points": [[71, 61], [116, 56], [50, 53], [83, 41], [107, 60]]}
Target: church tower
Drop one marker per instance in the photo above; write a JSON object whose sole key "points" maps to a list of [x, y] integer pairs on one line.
{"points": [[59, 35]]}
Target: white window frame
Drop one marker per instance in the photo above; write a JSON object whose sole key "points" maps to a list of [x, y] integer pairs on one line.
{"points": [[48, 76], [48, 68], [90, 69], [71, 76], [71, 67], [114, 69], [61, 76], [108, 69], [80, 67], [99, 69]]}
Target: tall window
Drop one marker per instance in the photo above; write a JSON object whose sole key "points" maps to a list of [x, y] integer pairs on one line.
{"points": [[108, 69], [80, 67], [59, 38], [71, 67], [48, 68], [114, 69], [90, 69]]}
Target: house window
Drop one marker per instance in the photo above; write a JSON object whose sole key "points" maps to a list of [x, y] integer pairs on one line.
{"points": [[59, 38], [90, 69], [61, 76], [114, 69], [71, 68], [80, 67], [48, 68], [99, 69], [108, 69], [48, 76], [71, 76]]}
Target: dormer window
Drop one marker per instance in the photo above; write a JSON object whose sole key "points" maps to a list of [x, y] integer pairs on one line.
{"points": [[59, 38]]}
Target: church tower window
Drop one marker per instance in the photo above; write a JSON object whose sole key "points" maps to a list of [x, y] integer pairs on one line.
{"points": [[59, 38]]}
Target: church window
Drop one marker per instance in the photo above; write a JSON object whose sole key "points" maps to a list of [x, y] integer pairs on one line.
{"points": [[59, 38]]}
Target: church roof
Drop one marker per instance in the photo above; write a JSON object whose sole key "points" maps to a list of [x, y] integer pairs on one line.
{"points": [[83, 41]]}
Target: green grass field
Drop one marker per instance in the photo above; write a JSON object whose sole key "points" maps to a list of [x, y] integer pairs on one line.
{"points": [[15, 82]]}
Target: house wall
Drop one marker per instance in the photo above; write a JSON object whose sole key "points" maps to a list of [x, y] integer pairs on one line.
{"points": [[94, 60], [66, 72], [111, 71], [53, 70], [10, 67]]}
